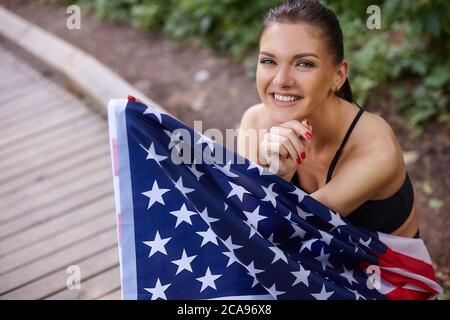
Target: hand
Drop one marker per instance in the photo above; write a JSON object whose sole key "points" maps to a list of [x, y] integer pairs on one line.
{"points": [[284, 147]]}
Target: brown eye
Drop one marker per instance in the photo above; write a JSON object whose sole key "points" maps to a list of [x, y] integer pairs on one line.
{"points": [[305, 64]]}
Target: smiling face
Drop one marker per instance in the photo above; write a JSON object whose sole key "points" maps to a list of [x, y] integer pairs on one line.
{"points": [[295, 73]]}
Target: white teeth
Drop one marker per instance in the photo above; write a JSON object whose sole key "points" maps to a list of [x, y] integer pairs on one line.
{"points": [[285, 98]]}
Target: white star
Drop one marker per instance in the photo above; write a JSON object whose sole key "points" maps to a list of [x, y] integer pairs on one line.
{"points": [[231, 258], [278, 255], [289, 216], [298, 231], [272, 240], [208, 236], [323, 259], [194, 171], [299, 193], [183, 215], [155, 112], [255, 166], [273, 291], [336, 219], [157, 244], [151, 153], [226, 170], [303, 213], [254, 217], [175, 141], [158, 290], [184, 263], [237, 191], [225, 206], [323, 294], [326, 237], [357, 294], [179, 185], [307, 245], [301, 276], [155, 195], [347, 274], [208, 280], [230, 245], [270, 195], [207, 140], [253, 272], [365, 243], [206, 218]]}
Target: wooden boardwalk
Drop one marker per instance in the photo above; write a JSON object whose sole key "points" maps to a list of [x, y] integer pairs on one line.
{"points": [[56, 192]]}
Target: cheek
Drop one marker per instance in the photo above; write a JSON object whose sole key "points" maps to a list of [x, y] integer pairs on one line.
{"points": [[262, 81]]}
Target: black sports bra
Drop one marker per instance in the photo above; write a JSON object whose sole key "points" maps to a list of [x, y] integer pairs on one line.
{"points": [[385, 215]]}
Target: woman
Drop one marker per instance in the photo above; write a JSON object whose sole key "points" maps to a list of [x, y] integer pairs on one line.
{"points": [[344, 157]]}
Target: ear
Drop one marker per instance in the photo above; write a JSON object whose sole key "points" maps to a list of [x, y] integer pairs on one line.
{"points": [[341, 74]]}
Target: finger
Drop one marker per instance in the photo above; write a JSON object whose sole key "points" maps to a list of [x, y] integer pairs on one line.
{"points": [[300, 129], [277, 148], [296, 144]]}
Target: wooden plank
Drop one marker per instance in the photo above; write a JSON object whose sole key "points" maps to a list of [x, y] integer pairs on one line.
{"points": [[115, 295], [42, 151], [67, 237], [17, 136], [54, 169], [54, 157], [60, 260], [20, 92], [39, 124], [43, 137], [56, 282], [28, 100], [29, 116], [37, 203], [92, 288], [51, 185], [81, 196], [47, 229]]}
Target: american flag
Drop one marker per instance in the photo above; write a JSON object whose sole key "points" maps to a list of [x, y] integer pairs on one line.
{"points": [[197, 221]]}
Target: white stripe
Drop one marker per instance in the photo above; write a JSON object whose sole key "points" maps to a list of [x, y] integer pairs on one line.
{"points": [[412, 247], [415, 276]]}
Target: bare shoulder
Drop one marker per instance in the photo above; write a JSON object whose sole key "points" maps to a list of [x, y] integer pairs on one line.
{"points": [[375, 146], [374, 134], [255, 118]]}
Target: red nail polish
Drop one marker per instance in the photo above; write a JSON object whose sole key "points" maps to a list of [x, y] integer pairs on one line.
{"points": [[303, 154], [309, 135], [299, 160], [131, 98]]}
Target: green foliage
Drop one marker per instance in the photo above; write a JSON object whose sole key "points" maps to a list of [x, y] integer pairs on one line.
{"points": [[407, 57]]}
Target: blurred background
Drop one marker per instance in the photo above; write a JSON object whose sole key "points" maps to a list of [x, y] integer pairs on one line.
{"points": [[197, 59]]}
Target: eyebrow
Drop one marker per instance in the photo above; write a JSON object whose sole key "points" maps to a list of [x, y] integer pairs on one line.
{"points": [[300, 55]]}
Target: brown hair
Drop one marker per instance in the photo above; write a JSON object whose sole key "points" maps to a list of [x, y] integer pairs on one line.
{"points": [[312, 12]]}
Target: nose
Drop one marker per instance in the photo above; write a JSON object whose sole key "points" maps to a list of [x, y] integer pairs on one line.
{"points": [[284, 78]]}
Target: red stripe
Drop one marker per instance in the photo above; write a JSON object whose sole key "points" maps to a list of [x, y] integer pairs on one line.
{"points": [[393, 259], [407, 294], [115, 156]]}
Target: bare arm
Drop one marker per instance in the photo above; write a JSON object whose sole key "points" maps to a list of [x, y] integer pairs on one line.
{"points": [[361, 177]]}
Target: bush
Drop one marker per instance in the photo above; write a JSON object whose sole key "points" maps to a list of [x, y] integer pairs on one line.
{"points": [[408, 57]]}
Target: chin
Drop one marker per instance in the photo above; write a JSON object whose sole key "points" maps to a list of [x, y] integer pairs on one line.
{"points": [[280, 116]]}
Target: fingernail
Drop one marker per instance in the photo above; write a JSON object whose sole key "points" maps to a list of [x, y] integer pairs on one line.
{"points": [[131, 98], [303, 154], [299, 160], [309, 135]]}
